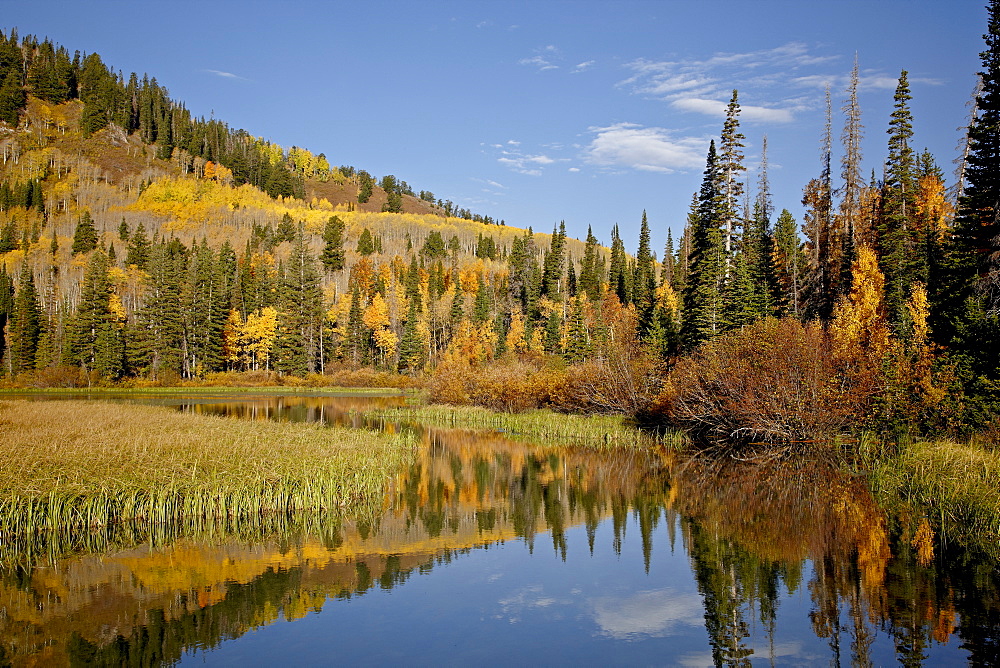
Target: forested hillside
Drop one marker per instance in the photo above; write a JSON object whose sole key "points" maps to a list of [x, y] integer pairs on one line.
{"points": [[141, 244]]}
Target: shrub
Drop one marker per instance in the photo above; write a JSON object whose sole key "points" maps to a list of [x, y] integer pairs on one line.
{"points": [[773, 380]]}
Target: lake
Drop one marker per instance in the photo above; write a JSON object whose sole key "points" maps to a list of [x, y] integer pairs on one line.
{"points": [[491, 550]]}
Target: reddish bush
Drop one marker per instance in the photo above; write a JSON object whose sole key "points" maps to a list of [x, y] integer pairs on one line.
{"points": [[774, 380]]}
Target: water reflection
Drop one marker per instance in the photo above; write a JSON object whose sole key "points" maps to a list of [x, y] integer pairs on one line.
{"points": [[784, 559]]}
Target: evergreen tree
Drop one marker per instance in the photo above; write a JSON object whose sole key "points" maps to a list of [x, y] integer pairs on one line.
{"points": [[644, 280], [966, 313], [302, 304], [25, 325], [789, 266], [703, 317], [730, 159], [366, 244], [619, 277], [333, 252], [85, 236], [138, 248], [97, 340], [411, 349], [123, 230], [895, 228], [591, 274], [13, 98], [552, 267], [159, 337], [6, 303]]}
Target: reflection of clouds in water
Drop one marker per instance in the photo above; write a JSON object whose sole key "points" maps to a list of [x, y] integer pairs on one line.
{"points": [[791, 653], [647, 613], [528, 598]]}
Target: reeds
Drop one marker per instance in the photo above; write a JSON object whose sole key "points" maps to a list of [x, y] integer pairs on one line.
{"points": [[72, 465], [956, 485], [609, 430]]}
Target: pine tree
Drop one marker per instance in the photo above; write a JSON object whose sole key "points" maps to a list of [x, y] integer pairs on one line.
{"points": [[97, 341], [25, 325], [644, 280], [411, 349], [13, 98], [730, 160], [619, 277], [85, 236], [552, 266], [302, 304], [6, 303], [366, 244], [590, 274], [895, 228], [138, 248], [333, 252], [789, 266], [703, 317]]}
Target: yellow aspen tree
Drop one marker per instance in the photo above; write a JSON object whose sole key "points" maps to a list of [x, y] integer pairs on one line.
{"points": [[258, 336], [515, 334], [859, 323], [232, 335]]}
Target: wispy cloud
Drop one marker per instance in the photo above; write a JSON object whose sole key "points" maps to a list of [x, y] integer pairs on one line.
{"points": [[704, 86], [226, 75], [747, 112], [644, 148], [583, 67], [544, 58]]}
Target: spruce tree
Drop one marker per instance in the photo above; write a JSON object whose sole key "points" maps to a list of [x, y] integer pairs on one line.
{"points": [[730, 160], [25, 325], [138, 248], [333, 250], [703, 317], [895, 227], [644, 280], [6, 304], [85, 236]]}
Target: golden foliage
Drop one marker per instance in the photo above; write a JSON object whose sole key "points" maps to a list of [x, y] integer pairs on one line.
{"points": [[923, 542]]}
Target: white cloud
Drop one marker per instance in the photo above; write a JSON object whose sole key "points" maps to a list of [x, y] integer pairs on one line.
{"points": [[650, 613], [538, 61], [748, 112], [583, 67], [574, 169], [648, 149], [226, 75]]}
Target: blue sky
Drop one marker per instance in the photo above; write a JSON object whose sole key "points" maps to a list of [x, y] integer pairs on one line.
{"points": [[536, 112]]}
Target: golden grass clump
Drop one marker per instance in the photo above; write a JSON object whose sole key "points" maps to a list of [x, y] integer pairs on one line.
{"points": [[954, 483], [72, 464]]}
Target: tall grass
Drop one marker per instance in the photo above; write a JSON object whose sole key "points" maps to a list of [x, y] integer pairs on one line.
{"points": [[74, 464], [610, 430], [956, 485]]}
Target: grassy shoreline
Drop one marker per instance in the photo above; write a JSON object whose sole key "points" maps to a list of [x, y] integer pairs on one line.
{"points": [[602, 430], [956, 486], [74, 464]]}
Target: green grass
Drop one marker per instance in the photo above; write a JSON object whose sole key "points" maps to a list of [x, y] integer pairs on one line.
{"points": [[559, 428], [956, 485], [76, 464]]}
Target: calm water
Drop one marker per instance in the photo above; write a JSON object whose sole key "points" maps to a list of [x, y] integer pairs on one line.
{"points": [[492, 551]]}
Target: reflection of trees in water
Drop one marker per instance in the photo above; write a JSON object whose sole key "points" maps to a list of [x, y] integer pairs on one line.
{"points": [[465, 478], [750, 526]]}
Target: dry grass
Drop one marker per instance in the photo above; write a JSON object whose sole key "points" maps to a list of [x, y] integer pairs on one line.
{"points": [[73, 464]]}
